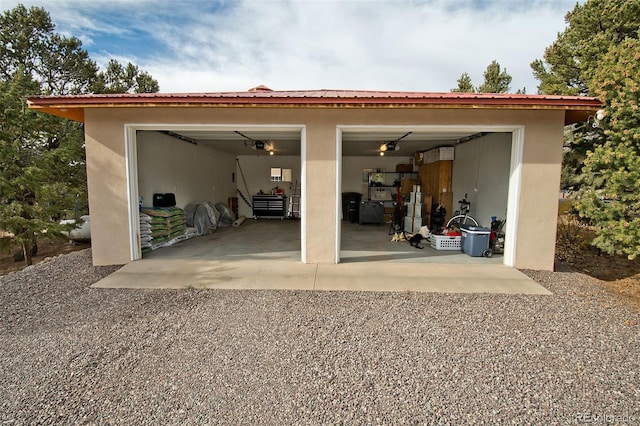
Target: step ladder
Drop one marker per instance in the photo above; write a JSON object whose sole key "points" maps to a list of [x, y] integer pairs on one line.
{"points": [[294, 202]]}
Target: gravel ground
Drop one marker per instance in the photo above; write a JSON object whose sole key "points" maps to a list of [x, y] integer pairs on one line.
{"points": [[71, 354]]}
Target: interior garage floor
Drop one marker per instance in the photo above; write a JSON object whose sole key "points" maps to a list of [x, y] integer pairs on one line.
{"points": [[265, 254]]}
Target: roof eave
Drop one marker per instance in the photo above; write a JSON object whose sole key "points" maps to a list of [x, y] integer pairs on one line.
{"points": [[577, 109], [74, 113]]}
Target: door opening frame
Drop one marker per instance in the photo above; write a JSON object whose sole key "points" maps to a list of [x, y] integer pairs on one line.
{"points": [[131, 165], [515, 173]]}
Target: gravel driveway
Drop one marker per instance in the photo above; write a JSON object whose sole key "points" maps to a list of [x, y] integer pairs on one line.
{"points": [[72, 354]]}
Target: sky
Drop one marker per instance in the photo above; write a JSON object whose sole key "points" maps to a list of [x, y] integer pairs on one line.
{"points": [[233, 45]]}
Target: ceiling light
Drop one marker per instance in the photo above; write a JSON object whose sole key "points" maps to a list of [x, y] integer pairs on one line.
{"points": [[381, 153], [271, 152], [389, 146]]}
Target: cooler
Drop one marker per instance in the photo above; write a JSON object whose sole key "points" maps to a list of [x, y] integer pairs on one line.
{"points": [[475, 240]]}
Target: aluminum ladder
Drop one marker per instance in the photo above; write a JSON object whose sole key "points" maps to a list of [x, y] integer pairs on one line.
{"points": [[294, 202]]}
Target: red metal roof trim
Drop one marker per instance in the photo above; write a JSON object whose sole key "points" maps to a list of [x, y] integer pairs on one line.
{"points": [[320, 97]]}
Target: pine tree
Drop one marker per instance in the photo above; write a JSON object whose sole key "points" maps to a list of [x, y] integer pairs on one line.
{"points": [[570, 62], [593, 28], [610, 198], [595, 56], [124, 79], [464, 84], [42, 160], [42, 164], [495, 79]]}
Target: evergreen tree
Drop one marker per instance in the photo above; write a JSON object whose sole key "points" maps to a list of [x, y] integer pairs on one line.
{"points": [[595, 56], [124, 79], [570, 62], [42, 163], [464, 84], [593, 28], [610, 197], [495, 79]]}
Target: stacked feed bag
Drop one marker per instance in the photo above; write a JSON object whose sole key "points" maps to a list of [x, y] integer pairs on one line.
{"points": [[166, 223], [146, 240], [413, 219], [177, 224]]}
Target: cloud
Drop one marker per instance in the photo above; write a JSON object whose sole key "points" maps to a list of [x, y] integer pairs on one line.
{"points": [[192, 46]]}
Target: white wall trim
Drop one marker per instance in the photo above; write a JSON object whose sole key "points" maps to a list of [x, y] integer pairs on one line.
{"points": [[514, 182], [217, 127], [338, 237], [303, 194], [513, 199], [432, 128], [131, 165], [517, 149]]}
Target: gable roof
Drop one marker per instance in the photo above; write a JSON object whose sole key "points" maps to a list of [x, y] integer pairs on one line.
{"points": [[577, 108]]}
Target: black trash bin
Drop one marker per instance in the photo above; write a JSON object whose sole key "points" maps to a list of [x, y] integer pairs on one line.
{"points": [[351, 206]]}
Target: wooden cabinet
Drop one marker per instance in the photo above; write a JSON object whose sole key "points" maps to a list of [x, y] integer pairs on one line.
{"points": [[435, 180]]}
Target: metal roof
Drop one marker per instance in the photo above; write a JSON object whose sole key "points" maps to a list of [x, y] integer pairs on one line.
{"points": [[72, 106]]}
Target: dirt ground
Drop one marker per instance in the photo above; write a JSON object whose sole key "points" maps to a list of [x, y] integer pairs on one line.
{"points": [[616, 273], [46, 248]]}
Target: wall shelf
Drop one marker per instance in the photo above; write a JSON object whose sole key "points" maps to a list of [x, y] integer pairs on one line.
{"points": [[382, 186]]}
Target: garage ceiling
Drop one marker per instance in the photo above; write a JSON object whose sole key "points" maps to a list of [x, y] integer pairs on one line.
{"points": [[355, 143]]}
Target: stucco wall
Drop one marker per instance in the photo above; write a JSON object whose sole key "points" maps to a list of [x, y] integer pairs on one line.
{"points": [[107, 187], [540, 169], [538, 204]]}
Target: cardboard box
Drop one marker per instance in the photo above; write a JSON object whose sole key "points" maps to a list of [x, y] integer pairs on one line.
{"points": [[415, 197], [406, 186], [438, 154], [388, 214], [412, 225], [414, 209]]}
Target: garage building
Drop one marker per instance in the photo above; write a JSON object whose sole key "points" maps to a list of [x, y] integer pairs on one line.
{"points": [[508, 154]]}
